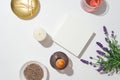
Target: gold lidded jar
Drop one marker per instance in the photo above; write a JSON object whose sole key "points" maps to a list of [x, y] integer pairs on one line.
{"points": [[25, 9]]}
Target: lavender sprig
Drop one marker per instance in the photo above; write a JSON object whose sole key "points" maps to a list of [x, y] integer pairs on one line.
{"points": [[112, 62], [108, 58]]}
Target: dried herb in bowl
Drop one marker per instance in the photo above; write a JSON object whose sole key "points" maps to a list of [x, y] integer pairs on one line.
{"points": [[33, 72], [108, 58]]}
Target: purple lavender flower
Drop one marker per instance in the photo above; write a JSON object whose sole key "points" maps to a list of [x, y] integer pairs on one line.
{"points": [[105, 49], [106, 39], [100, 52], [91, 57], [112, 33], [100, 68], [84, 61], [99, 44], [94, 66], [91, 63], [98, 56], [105, 30]]}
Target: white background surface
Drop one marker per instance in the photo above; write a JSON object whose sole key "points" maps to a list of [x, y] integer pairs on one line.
{"points": [[19, 46]]}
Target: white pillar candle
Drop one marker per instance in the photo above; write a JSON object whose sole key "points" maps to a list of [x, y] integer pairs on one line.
{"points": [[40, 34]]}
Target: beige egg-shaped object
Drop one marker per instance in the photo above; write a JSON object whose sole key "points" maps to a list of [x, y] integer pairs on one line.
{"points": [[25, 9]]}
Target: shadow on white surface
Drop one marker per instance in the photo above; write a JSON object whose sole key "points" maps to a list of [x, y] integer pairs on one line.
{"points": [[48, 75], [47, 42], [102, 10], [68, 70], [86, 46]]}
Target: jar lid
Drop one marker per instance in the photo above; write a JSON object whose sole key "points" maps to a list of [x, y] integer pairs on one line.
{"points": [[25, 9]]}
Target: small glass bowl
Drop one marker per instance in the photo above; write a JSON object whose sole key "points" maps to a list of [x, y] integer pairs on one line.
{"points": [[22, 77], [89, 8], [59, 55]]}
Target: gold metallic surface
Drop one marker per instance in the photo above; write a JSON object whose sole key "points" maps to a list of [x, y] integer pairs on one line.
{"points": [[25, 9]]}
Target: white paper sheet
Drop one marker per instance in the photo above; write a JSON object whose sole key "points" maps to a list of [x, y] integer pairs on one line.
{"points": [[74, 35]]}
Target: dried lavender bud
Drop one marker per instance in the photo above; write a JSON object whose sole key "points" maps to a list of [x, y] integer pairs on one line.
{"points": [[91, 63], [99, 44], [113, 32], [91, 57], [105, 30], [112, 35], [94, 66], [84, 61], [100, 52], [106, 39], [98, 56]]}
